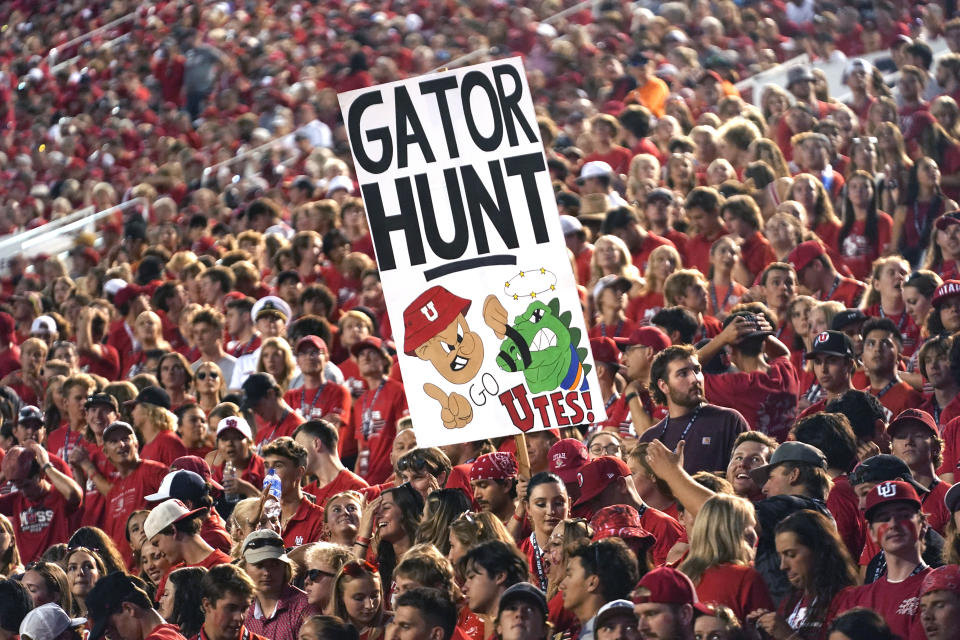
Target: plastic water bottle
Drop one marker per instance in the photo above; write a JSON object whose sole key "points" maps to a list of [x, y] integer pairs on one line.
{"points": [[273, 482], [230, 473]]}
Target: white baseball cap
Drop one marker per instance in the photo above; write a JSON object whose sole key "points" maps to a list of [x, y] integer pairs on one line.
{"points": [[43, 324], [569, 224], [237, 424], [48, 621], [165, 514], [339, 182], [111, 287], [595, 169]]}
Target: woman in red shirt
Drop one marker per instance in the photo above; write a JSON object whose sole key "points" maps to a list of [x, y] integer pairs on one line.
{"points": [[818, 566], [722, 549], [865, 234], [723, 291], [821, 219], [663, 261], [916, 217]]}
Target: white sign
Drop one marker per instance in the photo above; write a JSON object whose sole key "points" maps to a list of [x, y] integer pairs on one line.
{"points": [[475, 271]]}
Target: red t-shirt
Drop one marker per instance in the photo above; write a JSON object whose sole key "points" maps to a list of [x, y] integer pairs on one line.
{"points": [[126, 496], [268, 432], [844, 505], [642, 308], [583, 260], [213, 530], [305, 526], [214, 558], [313, 404], [383, 407], [165, 448], [720, 301], [736, 586], [771, 405], [459, 478], [618, 158], [756, 253], [344, 481], [63, 440], [856, 250], [665, 529], [38, 525], [848, 291], [166, 632], [697, 255], [107, 364], [897, 602], [935, 508], [651, 242], [896, 398], [621, 329], [9, 360], [254, 473]]}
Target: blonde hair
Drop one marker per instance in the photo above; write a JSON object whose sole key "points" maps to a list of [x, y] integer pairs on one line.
{"points": [[872, 295], [162, 419], [289, 364], [717, 535], [626, 267], [651, 282]]}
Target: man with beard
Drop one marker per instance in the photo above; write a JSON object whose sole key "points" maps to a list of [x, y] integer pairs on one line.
{"points": [[666, 603], [709, 431]]}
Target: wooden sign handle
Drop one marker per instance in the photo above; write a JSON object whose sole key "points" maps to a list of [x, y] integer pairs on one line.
{"points": [[523, 460]]}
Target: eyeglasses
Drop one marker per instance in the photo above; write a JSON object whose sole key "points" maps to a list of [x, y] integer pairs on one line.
{"points": [[357, 569], [203, 375], [314, 575], [611, 449]]}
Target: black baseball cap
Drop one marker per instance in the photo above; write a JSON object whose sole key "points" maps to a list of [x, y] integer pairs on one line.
{"points": [[884, 468], [107, 596], [151, 395], [526, 592], [29, 413], [256, 387], [831, 343], [847, 317], [101, 398]]}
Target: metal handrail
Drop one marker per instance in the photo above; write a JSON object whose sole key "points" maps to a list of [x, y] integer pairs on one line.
{"points": [[52, 54], [250, 152]]}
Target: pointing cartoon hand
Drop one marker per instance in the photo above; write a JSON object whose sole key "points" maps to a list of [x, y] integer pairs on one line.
{"points": [[495, 315], [455, 410]]}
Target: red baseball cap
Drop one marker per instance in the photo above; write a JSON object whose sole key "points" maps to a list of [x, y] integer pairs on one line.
{"points": [[199, 466], [370, 342], [18, 463], [944, 291], [947, 219], [498, 465], [945, 578], [595, 476], [805, 253], [605, 350], [620, 521], [891, 491], [666, 585], [428, 315], [126, 294], [646, 336], [914, 416], [567, 458], [316, 341]]}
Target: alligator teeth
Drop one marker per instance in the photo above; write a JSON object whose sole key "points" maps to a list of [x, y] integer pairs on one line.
{"points": [[543, 340]]}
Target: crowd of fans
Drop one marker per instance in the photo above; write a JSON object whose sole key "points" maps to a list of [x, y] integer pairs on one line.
{"points": [[204, 427]]}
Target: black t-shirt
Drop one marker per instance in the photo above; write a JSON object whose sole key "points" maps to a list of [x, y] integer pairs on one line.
{"points": [[710, 436]]}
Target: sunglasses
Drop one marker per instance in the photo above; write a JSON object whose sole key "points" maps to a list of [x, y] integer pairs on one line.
{"points": [[314, 575], [259, 543], [203, 375], [358, 569], [413, 463]]}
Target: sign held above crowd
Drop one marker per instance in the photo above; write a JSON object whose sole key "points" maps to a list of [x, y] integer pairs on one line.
{"points": [[471, 255]]}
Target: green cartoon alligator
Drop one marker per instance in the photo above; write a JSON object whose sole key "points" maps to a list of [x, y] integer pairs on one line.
{"points": [[540, 343]]}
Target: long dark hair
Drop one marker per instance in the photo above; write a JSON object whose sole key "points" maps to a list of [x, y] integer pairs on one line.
{"points": [[835, 569], [187, 605], [410, 503], [849, 217], [913, 254], [97, 540]]}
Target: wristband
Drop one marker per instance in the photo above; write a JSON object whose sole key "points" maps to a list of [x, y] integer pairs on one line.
{"points": [[517, 518], [630, 396], [364, 541], [46, 466]]}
